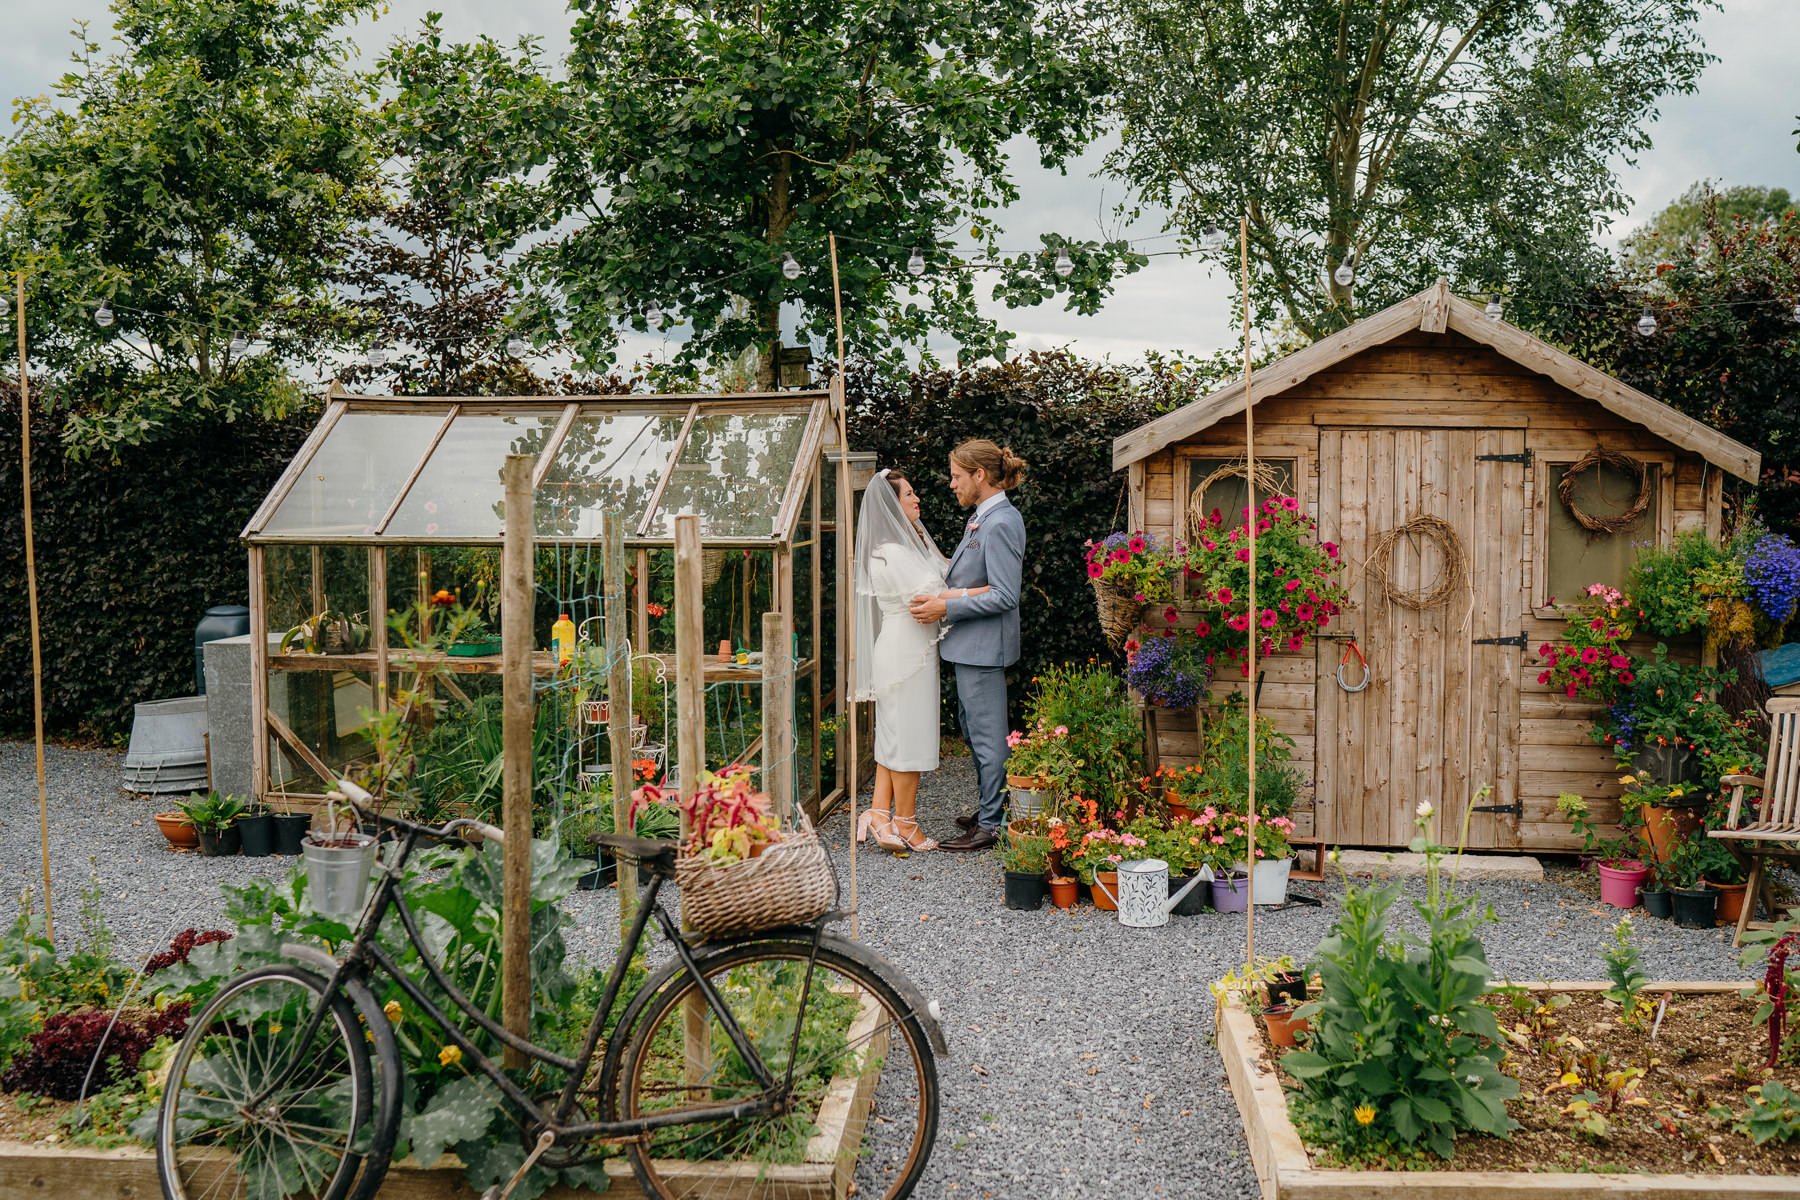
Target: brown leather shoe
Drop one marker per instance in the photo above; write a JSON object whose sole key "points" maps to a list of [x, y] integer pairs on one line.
{"points": [[976, 839], [968, 822]]}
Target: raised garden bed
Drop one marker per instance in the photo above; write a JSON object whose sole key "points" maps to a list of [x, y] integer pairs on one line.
{"points": [[1706, 1027], [31, 1171]]}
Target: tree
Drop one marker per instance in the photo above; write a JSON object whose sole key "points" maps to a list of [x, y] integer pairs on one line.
{"points": [[1468, 138], [1701, 205], [198, 184], [690, 152], [1726, 345]]}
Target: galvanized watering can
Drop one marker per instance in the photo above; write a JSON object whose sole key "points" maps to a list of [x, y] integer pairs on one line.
{"points": [[1144, 901]]}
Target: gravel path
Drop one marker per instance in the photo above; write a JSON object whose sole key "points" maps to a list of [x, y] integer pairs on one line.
{"points": [[1081, 1056]]}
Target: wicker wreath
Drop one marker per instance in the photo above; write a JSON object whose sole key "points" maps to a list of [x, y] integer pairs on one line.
{"points": [[1612, 458], [1267, 482], [1453, 578]]}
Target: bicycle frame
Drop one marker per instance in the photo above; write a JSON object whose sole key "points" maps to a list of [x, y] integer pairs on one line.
{"points": [[365, 956]]}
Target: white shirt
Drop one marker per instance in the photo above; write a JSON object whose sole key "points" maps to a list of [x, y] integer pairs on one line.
{"points": [[987, 505]]}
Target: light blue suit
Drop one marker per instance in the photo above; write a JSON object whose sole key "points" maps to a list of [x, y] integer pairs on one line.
{"points": [[983, 640]]}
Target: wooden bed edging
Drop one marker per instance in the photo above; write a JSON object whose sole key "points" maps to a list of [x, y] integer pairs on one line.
{"points": [[1285, 1172], [33, 1171]]}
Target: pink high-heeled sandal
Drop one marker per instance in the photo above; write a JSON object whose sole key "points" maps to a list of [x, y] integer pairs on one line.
{"points": [[912, 842], [866, 826]]}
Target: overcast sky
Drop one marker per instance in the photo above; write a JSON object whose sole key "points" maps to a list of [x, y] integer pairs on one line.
{"points": [[1735, 129]]}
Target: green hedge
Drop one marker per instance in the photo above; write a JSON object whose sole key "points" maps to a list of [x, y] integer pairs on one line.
{"points": [[130, 553], [1060, 414]]}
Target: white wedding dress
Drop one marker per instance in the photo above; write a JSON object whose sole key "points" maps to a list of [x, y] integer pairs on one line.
{"points": [[904, 670]]}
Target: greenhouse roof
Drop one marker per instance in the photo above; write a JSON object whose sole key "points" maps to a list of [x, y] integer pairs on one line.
{"points": [[426, 470]]}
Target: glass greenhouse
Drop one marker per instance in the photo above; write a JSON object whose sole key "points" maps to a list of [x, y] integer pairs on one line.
{"points": [[393, 506]]}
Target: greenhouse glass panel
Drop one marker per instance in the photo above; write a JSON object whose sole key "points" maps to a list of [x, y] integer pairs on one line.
{"points": [[347, 486], [734, 472], [459, 493], [609, 460]]}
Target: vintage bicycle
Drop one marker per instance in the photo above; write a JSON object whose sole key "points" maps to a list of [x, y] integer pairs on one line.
{"points": [[728, 1069]]}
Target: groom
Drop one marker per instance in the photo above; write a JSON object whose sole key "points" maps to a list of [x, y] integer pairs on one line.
{"points": [[983, 636]]}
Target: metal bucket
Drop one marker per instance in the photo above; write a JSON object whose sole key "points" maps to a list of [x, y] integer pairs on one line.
{"points": [[1026, 802], [337, 877]]}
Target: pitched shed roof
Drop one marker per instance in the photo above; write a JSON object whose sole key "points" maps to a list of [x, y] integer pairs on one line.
{"points": [[1435, 310]]}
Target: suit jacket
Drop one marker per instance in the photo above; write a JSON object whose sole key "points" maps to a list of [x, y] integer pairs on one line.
{"points": [[984, 629]]}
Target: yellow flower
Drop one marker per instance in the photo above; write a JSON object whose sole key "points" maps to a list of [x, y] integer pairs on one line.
{"points": [[394, 1012], [449, 1056], [1365, 1114]]}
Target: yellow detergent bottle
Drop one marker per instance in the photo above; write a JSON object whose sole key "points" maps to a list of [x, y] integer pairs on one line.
{"points": [[562, 640]]}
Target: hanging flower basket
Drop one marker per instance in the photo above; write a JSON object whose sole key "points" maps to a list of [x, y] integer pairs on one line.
{"points": [[1118, 610]]}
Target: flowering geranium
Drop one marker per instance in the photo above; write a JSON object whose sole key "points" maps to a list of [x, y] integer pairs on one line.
{"points": [[1590, 662], [1169, 669], [1297, 582], [1043, 751], [1135, 563], [1098, 849], [1232, 834]]}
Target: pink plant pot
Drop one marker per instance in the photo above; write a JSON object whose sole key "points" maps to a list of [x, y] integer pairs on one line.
{"points": [[1619, 883]]}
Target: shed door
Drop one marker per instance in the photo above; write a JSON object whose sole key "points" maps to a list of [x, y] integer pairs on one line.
{"points": [[1440, 717]]}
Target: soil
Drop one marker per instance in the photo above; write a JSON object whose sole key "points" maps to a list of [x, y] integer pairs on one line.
{"points": [[1707, 1053]]}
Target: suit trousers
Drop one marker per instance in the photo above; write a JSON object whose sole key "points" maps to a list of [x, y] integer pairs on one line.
{"points": [[981, 711]]}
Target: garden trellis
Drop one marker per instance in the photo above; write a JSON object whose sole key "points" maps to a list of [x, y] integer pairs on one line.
{"points": [[391, 500]]}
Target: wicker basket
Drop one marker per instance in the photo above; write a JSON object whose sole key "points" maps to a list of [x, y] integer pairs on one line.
{"points": [[1119, 611], [789, 883]]}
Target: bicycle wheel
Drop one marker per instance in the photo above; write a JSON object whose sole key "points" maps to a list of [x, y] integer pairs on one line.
{"points": [[218, 1135], [864, 1099]]}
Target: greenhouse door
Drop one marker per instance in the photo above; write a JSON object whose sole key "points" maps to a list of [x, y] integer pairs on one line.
{"points": [[1440, 715]]}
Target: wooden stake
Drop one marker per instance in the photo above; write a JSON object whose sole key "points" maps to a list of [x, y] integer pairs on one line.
{"points": [[778, 713], [616, 641], [37, 652], [846, 610], [517, 593], [690, 739], [1250, 527]]}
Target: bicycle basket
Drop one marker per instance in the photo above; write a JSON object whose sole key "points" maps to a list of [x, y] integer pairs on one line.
{"points": [[788, 884]]}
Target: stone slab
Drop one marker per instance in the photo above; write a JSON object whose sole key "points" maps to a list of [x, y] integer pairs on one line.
{"points": [[1403, 864]]}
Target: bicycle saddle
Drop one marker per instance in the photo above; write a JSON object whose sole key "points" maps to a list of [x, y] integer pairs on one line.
{"points": [[656, 855]]}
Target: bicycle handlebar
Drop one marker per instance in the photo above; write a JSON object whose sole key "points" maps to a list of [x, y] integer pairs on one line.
{"points": [[362, 803]]}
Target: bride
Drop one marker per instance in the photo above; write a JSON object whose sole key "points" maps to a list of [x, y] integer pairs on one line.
{"points": [[896, 656]]}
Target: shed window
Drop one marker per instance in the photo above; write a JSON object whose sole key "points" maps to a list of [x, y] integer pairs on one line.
{"points": [[1229, 495], [1579, 556]]}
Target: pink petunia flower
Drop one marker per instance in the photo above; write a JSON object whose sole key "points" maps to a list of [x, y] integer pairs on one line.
{"points": [[1268, 618], [1304, 612], [1095, 570], [1243, 554], [1590, 655]]}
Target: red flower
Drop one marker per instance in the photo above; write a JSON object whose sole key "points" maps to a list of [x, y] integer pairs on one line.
{"points": [[1224, 596], [1304, 612], [1202, 628], [1295, 641], [1137, 545], [1243, 554], [1170, 615], [655, 609], [1291, 584], [1095, 570], [1544, 677], [1268, 618]]}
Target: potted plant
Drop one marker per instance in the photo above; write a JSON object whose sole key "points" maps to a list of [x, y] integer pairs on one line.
{"points": [[1094, 859], [1695, 905], [1283, 1025], [256, 831], [1299, 583], [1267, 857], [1184, 790], [1665, 813], [327, 632], [1286, 982], [180, 831], [1024, 862], [473, 638], [1724, 873], [213, 814], [1655, 894], [1129, 571], [1168, 670], [1182, 846], [290, 830], [1038, 762], [1620, 874]]}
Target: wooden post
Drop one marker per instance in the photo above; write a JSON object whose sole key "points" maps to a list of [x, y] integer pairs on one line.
{"points": [[846, 581], [1255, 629], [378, 626], [690, 735], [517, 591], [617, 642], [778, 713], [37, 652], [259, 676]]}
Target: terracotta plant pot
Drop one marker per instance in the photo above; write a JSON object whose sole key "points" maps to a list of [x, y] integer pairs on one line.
{"points": [[1282, 1024], [1179, 813], [1105, 890], [179, 830], [1062, 891], [1030, 783], [1667, 828], [1731, 901]]}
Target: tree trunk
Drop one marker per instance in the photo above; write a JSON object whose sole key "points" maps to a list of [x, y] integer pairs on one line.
{"points": [[768, 305]]}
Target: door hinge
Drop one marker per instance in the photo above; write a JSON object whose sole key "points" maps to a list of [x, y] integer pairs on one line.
{"points": [[1523, 457], [1516, 640], [1516, 808]]}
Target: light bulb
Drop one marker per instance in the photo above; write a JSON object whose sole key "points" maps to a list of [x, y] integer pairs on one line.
{"points": [[1212, 237], [378, 356], [653, 314], [1065, 266], [517, 347], [915, 266], [1796, 310], [103, 316], [1646, 324], [1493, 309], [1345, 275], [5, 306], [789, 267], [239, 343]]}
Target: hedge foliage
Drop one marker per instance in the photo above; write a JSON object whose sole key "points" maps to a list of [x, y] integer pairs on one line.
{"points": [[130, 553], [1060, 414]]}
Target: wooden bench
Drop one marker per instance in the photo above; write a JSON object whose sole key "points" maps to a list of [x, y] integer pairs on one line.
{"points": [[1775, 833]]}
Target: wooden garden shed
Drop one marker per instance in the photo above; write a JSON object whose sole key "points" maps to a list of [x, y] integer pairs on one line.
{"points": [[1433, 408]]}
